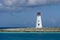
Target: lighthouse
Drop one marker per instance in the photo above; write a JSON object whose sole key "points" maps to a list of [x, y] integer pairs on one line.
{"points": [[38, 21]]}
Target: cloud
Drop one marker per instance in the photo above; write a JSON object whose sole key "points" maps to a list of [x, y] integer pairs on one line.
{"points": [[31, 2], [28, 2], [1, 4], [42, 2], [13, 4], [9, 2]]}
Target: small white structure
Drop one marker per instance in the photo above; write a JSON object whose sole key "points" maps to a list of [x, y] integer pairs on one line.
{"points": [[38, 22]]}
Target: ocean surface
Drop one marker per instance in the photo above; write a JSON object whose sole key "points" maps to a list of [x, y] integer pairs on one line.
{"points": [[30, 36]]}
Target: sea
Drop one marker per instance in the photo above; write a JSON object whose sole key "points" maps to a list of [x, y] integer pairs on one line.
{"points": [[29, 35]]}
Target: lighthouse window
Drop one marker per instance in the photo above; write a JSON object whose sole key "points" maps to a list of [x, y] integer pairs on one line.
{"points": [[38, 24]]}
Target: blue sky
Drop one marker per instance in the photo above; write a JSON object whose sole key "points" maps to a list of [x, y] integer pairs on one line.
{"points": [[22, 13]]}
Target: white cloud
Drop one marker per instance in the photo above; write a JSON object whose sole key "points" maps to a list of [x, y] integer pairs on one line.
{"points": [[28, 2], [42, 1], [32, 2], [9, 2], [22, 1], [13, 4], [1, 4]]}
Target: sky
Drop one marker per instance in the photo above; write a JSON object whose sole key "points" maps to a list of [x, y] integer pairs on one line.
{"points": [[22, 13]]}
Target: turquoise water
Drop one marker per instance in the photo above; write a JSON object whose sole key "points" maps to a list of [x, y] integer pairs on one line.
{"points": [[29, 36]]}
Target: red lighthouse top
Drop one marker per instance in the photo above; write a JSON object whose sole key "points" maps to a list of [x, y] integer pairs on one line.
{"points": [[38, 13]]}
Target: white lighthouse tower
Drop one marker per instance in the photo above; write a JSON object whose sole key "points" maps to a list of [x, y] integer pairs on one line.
{"points": [[38, 22]]}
